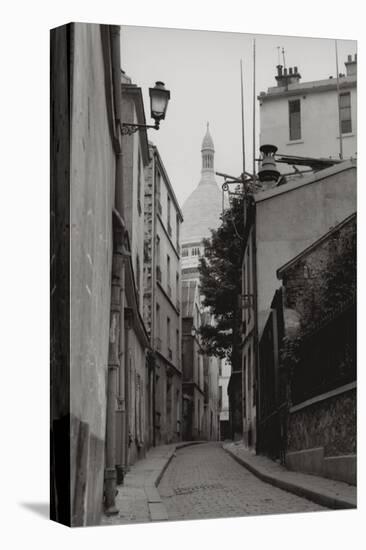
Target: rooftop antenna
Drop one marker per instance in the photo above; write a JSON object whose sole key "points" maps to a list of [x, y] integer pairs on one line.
{"points": [[283, 56], [339, 106], [254, 98], [279, 55]]}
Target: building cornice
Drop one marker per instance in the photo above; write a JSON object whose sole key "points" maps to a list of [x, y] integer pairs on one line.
{"points": [[166, 179], [307, 88]]}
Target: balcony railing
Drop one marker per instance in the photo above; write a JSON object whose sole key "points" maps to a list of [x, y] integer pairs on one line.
{"points": [[158, 273]]}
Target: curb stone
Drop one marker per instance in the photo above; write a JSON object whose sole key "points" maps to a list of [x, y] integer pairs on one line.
{"points": [[157, 510], [299, 490]]}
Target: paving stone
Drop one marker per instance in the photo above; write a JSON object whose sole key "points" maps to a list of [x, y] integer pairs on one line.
{"points": [[205, 482]]}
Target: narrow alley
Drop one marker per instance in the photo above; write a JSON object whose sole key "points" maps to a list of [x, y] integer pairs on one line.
{"points": [[203, 481]]}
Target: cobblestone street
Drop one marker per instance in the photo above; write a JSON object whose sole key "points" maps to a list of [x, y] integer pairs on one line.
{"points": [[203, 481]]}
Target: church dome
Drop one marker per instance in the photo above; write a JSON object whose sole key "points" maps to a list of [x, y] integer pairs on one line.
{"points": [[202, 209], [201, 212]]}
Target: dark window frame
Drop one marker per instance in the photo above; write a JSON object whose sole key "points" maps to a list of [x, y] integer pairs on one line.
{"points": [[345, 113], [294, 115]]}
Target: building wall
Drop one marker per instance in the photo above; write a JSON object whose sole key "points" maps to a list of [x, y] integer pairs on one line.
{"points": [[167, 296], [60, 274], [319, 125], [91, 201], [211, 389], [286, 223], [248, 381], [289, 222], [321, 437], [330, 423], [134, 203], [223, 384], [137, 414]]}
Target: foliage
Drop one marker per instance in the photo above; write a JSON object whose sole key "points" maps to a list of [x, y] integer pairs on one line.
{"points": [[325, 294], [220, 282]]}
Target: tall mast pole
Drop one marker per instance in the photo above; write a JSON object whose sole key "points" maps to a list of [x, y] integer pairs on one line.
{"points": [[242, 117], [254, 149], [339, 107]]}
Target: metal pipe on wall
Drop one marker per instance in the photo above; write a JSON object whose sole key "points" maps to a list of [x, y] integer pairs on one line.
{"points": [[339, 107]]}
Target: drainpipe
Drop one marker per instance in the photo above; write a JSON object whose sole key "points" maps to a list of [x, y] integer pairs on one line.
{"points": [[121, 379], [128, 326], [110, 475]]}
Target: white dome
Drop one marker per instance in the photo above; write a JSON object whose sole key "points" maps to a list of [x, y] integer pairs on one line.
{"points": [[201, 212]]}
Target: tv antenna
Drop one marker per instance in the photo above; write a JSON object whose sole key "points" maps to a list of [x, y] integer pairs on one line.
{"points": [[284, 60]]}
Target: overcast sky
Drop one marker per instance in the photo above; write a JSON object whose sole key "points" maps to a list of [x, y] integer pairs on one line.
{"points": [[202, 71]]}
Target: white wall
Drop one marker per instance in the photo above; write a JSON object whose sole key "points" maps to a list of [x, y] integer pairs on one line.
{"points": [[289, 222], [319, 125]]}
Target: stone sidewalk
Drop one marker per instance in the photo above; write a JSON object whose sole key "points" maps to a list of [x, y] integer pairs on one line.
{"points": [[138, 499], [326, 492]]}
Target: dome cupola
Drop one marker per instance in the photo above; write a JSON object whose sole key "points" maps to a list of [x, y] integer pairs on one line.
{"points": [[208, 152]]}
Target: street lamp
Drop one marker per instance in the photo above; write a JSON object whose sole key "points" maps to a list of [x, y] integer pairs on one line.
{"points": [[159, 98]]}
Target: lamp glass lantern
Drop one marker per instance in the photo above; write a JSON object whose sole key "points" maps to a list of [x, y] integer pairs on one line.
{"points": [[159, 98]]}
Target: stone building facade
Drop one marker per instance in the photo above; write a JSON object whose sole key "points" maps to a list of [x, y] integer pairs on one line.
{"points": [[85, 150], [105, 393], [280, 223], [162, 310], [318, 307]]}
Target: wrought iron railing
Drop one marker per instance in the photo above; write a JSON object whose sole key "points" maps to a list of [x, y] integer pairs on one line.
{"points": [[327, 358]]}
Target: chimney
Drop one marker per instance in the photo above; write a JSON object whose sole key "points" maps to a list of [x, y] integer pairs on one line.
{"points": [[285, 78], [351, 65]]}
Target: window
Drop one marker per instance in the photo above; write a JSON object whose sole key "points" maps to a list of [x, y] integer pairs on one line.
{"points": [[139, 183], [158, 327], [178, 236], [345, 112], [185, 252], [138, 275], [169, 216], [195, 251], [177, 347], [168, 331], [158, 190], [294, 119], [157, 250], [168, 276]]}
